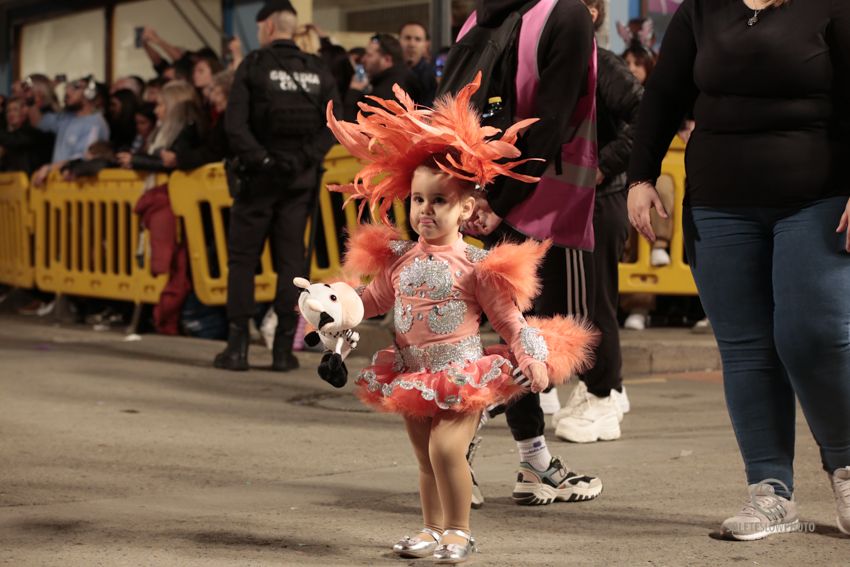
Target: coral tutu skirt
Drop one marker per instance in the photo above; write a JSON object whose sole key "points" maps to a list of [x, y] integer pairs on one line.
{"points": [[470, 388]]}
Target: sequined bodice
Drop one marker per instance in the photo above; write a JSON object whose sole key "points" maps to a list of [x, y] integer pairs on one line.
{"points": [[435, 293]]}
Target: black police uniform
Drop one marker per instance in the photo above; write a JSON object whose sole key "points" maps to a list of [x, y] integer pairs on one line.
{"points": [[278, 133]]}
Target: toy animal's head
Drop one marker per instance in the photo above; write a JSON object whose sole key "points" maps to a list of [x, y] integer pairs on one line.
{"points": [[329, 307]]}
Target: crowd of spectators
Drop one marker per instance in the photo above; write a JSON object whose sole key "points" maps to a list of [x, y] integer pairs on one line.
{"points": [[175, 120]]}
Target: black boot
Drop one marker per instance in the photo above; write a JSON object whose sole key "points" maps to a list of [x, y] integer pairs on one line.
{"points": [[235, 356], [282, 358]]}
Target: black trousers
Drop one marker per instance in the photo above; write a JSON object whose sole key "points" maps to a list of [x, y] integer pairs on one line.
{"points": [[584, 284], [262, 211]]}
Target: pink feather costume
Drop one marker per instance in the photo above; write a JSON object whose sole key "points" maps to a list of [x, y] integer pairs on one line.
{"points": [[438, 293]]}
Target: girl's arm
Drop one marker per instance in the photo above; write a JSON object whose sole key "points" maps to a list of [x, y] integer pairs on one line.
{"points": [[378, 296], [372, 251], [506, 285], [526, 342]]}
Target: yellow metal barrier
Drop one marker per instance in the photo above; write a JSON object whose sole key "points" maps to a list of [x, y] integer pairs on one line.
{"points": [[675, 279], [16, 260], [86, 238], [81, 237], [201, 200]]}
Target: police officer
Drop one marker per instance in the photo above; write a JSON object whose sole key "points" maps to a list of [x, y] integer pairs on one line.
{"points": [[275, 124]]}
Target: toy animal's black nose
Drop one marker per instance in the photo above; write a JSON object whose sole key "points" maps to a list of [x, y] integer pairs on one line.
{"points": [[324, 319]]}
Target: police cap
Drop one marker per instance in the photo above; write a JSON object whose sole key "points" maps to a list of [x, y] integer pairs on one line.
{"points": [[272, 6]]}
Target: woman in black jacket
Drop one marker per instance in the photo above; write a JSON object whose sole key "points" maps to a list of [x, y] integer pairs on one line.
{"points": [[214, 147], [765, 224], [181, 128]]}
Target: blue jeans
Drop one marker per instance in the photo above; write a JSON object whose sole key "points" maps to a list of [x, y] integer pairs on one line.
{"points": [[775, 284]]}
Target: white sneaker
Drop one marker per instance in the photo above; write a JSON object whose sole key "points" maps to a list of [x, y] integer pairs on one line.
{"points": [[659, 257], [592, 419], [635, 322], [622, 400], [841, 487], [549, 402], [764, 513], [576, 397]]}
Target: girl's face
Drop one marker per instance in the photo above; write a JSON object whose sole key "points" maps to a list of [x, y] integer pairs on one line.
{"points": [[160, 108], [438, 206], [639, 71], [202, 74]]}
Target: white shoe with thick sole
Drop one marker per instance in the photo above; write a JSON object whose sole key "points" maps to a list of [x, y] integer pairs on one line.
{"points": [[622, 400], [549, 401], [593, 419], [576, 396]]}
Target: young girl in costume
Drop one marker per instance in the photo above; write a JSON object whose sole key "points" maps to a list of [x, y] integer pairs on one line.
{"points": [[438, 376]]}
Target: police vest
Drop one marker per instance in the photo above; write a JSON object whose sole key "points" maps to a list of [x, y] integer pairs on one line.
{"points": [[284, 115]]}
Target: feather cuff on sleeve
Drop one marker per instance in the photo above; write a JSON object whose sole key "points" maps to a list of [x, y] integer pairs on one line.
{"points": [[513, 268]]}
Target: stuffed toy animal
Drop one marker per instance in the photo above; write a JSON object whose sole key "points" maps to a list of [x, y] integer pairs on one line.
{"points": [[334, 310]]}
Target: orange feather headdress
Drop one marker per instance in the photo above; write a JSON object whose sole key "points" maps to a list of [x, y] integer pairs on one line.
{"points": [[395, 137]]}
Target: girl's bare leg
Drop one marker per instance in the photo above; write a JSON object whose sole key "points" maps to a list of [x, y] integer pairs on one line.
{"points": [[419, 431], [450, 436]]}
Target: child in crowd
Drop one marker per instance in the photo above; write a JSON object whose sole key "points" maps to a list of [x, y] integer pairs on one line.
{"points": [[98, 156], [438, 376]]}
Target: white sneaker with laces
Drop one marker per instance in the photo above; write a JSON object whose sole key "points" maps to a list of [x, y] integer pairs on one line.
{"points": [[549, 402], [591, 419], [764, 513], [576, 396], [841, 487], [635, 322]]}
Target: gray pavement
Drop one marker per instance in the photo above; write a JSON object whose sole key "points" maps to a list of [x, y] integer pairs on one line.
{"points": [[139, 453]]}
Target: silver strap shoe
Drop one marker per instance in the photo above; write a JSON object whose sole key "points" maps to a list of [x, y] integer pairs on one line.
{"points": [[417, 547], [455, 552]]}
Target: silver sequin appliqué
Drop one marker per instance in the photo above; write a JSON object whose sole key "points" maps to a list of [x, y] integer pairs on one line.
{"points": [[400, 247], [402, 316], [438, 357], [534, 343], [497, 368], [475, 254], [430, 273], [446, 318]]}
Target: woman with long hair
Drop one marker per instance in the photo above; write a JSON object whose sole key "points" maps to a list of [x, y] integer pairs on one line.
{"points": [[182, 126]]}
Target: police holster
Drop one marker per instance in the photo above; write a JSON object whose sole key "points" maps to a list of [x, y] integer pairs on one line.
{"points": [[235, 172]]}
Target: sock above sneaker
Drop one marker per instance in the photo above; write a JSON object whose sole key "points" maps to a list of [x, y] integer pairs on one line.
{"points": [[534, 452]]}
